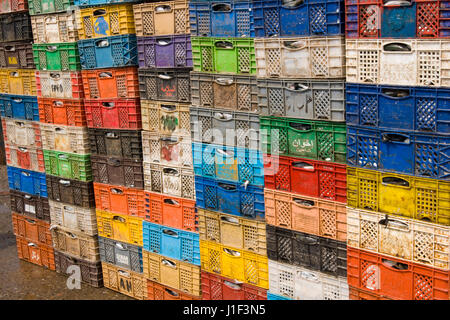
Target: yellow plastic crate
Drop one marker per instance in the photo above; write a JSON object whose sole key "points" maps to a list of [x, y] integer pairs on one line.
{"points": [[240, 265], [105, 21], [119, 227], [172, 273], [233, 231], [18, 81], [408, 196], [124, 281]]}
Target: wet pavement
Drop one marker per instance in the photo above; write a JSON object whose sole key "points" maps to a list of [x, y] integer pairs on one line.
{"points": [[23, 280]]}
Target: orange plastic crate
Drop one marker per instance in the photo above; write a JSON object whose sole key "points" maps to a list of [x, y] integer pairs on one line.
{"points": [[358, 294], [117, 199], [111, 83], [34, 230], [156, 291], [113, 113], [68, 112], [39, 254]]}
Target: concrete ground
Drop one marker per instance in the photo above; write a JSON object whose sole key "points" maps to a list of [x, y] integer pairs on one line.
{"points": [[26, 281]]}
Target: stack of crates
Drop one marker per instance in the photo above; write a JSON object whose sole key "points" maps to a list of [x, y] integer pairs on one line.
{"points": [[65, 140], [22, 136], [228, 164], [109, 58], [300, 62], [398, 141]]}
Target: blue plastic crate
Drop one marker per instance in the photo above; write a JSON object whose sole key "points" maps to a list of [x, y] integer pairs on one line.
{"points": [[27, 181], [308, 18], [273, 296], [228, 163], [108, 52], [100, 2], [19, 107], [229, 18], [401, 108], [418, 154], [172, 243], [229, 197]]}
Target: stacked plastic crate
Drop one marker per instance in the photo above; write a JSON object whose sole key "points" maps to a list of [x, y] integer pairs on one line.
{"points": [[171, 253], [398, 215], [65, 140], [300, 58], [22, 136], [229, 180], [108, 56]]}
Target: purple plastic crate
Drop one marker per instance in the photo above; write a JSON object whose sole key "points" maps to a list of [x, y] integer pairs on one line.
{"points": [[172, 51]]}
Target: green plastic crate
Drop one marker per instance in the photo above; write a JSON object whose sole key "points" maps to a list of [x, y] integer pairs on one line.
{"points": [[57, 56], [318, 140], [224, 55], [48, 6], [68, 165]]}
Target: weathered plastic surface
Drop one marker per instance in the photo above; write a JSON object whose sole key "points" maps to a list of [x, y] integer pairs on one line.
{"points": [[56, 56], [156, 291], [422, 199], [165, 118], [406, 19], [40, 255], [281, 18], [317, 140], [16, 55], [22, 133], [18, 82], [121, 254], [19, 107], [314, 58], [165, 51], [298, 283], [173, 180], [117, 171], [306, 250], [108, 52], [240, 233], [120, 227], [75, 244], [90, 272], [30, 205], [162, 18], [70, 112], [30, 158], [399, 62], [224, 55], [358, 294], [310, 215], [165, 85], [31, 229], [65, 138], [27, 181], [228, 163], [55, 27], [59, 84], [73, 217], [223, 91], [412, 240], [229, 197], [15, 27], [401, 108], [225, 127], [230, 18], [71, 192], [167, 150], [115, 143], [171, 243], [420, 154], [113, 113], [117, 199], [68, 165], [48, 6], [302, 98], [124, 281], [8, 6]]}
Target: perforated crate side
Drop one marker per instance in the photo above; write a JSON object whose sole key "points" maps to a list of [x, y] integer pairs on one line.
{"points": [[21, 133], [18, 82], [27, 181], [124, 281], [30, 158], [65, 138], [119, 227], [9, 6], [70, 112], [117, 171], [121, 200], [30, 205], [91, 272], [56, 56], [15, 27], [19, 107], [62, 84], [48, 6], [73, 217], [55, 28], [75, 244], [69, 191], [120, 113], [40, 255], [121, 254], [115, 143], [156, 291], [33, 230], [16, 55], [165, 85], [68, 165]]}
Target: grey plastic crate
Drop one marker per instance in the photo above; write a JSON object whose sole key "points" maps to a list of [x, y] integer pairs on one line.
{"points": [[225, 127], [165, 84], [121, 254], [231, 92], [303, 99]]}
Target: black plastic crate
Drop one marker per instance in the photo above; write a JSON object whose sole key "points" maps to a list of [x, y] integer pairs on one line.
{"points": [[17, 55], [116, 143], [118, 171], [30, 205], [166, 85], [15, 27], [74, 192], [91, 272]]}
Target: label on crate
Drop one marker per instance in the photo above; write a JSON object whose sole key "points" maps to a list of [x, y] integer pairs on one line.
{"points": [[122, 259], [29, 208]]}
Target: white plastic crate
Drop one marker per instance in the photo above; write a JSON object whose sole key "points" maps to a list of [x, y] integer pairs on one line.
{"points": [[298, 283], [73, 217], [412, 240], [23, 133], [166, 117], [55, 28], [59, 84], [407, 62], [307, 57], [65, 138]]}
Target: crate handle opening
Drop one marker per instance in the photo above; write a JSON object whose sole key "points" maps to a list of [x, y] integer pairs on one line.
{"points": [[395, 93], [172, 293], [108, 104], [221, 7], [116, 191], [395, 265], [303, 165], [294, 45], [397, 3], [58, 104], [308, 276], [171, 202], [170, 233], [169, 263], [164, 76], [64, 182], [120, 246], [292, 4], [99, 12], [233, 253], [230, 219], [226, 186], [169, 139], [223, 116], [22, 149], [52, 48], [119, 219], [30, 221], [123, 273], [105, 75], [224, 45], [231, 285], [163, 9], [14, 74], [297, 87], [304, 202], [114, 162], [397, 47], [26, 174], [27, 197], [55, 75], [16, 100], [300, 126], [395, 181], [63, 156], [31, 244], [225, 153], [395, 137], [393, 223], [67, 208], [170, 171], [164, 42], [307, 239], [111, 135], [10, 48], [20, 124], [168, 107], [102, 43], [224, 81], [70, 234]]}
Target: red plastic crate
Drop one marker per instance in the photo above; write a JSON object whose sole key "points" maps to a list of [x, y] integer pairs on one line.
{"points": [[318, 179], [39, 254], [358, 294], [113, 113], [395, 278], [118, 199], [25, 158], [7, 6], [156, 291], [111, 83], [215, 287], [170, 211], [59, 84], [68, 112]]}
